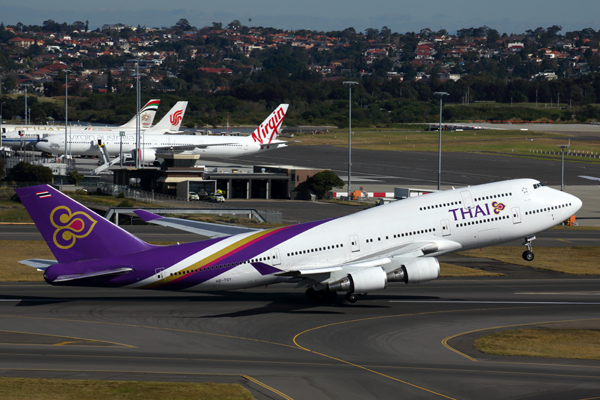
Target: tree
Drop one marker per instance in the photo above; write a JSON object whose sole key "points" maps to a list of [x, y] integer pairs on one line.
{"points": [[323, 182], [235, 24], [25, 172], [75, 177], [183, 24]]}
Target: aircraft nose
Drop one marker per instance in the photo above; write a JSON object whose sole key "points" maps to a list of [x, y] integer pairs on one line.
{"points": [[576, 203], [43, 146]]}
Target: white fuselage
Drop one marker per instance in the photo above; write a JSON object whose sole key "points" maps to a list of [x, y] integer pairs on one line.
{"points": [[214, 146], [423, 226]]}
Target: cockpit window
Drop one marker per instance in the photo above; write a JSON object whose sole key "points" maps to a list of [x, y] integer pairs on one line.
{"points": [[537, 185]]}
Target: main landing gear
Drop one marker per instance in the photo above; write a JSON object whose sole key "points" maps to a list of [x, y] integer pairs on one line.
{"points": [[321, 295], [327, 295], [528, 254]]}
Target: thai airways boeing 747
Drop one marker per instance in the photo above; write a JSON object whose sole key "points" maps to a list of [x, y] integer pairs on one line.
{"points": [[359, 253]]}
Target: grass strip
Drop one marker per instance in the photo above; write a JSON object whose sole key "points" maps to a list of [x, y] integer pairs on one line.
{"points": [[451, 270], [576, 260], [543, 342], [64, 389]]}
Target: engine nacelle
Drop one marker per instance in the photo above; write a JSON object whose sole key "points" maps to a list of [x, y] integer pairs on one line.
{"points": [[362, 281], [148, 156], [417, 271]]}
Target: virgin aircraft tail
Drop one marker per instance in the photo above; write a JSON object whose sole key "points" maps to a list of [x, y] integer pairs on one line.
{"points": [[72, 231], [147, 114], [269, 129], [171, 122]]}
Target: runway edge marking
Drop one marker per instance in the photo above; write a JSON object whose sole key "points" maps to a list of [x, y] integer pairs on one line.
{"points": [[251, 379], [446, 345]]}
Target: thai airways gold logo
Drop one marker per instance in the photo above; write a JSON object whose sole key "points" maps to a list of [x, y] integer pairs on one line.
{"points": [[498, 207], [70, 226]]}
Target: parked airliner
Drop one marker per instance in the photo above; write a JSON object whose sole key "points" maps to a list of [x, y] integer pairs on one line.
{"points": [[263, 138], [359, 253], [19, 136]]}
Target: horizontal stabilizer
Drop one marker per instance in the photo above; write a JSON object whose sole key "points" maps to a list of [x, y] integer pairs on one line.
{"points": [[201, 228], [38, 263], [111, 273]]}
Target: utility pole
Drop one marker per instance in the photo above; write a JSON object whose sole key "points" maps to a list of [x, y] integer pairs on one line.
{"points": [[441, 94], [25, 105], [350, 83]]}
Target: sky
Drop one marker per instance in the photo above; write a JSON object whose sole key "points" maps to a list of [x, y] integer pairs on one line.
{"points": [[507, 16]]}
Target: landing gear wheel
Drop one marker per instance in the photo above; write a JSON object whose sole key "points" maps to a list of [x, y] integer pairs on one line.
{"points": [[310, 293], [528, 255], [362, 294], [351, 297], [331, 294]]}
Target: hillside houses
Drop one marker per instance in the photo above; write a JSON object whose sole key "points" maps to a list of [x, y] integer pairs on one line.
{"points": [[226, 54]]}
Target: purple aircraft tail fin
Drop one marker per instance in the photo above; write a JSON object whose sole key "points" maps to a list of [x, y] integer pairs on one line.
{"points": [[74, 232]]}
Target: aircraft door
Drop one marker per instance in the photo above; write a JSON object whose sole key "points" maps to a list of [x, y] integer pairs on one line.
{"points": [[467, 199], [445, 227], [516, 213], [354, 245], [275, 257], [160, 275]]}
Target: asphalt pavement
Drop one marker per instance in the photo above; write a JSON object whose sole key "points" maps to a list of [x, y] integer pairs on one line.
{"points": [[408, 341]]}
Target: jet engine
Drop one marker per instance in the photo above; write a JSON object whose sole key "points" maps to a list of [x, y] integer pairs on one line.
{"points": [[148, 156], [362, 281], [416, 271]]}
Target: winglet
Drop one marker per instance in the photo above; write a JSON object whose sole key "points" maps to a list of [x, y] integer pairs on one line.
{"points": [[146, 216]]}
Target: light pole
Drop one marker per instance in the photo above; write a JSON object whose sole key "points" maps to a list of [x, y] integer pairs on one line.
{"points": [[350, 83], [25, 105], [137, 117], [66, 108], [562, 172], [441, 94], [1, 106]]}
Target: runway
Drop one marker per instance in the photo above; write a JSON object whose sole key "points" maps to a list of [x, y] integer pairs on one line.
{"points": [[407, 169], [404, 342]]}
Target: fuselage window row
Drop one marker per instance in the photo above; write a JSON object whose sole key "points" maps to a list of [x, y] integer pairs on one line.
{"points": [[300, 252], [453, 203], [228, 265]]}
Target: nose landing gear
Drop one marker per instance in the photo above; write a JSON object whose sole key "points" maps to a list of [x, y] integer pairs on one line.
{"points": [[528, 254]]}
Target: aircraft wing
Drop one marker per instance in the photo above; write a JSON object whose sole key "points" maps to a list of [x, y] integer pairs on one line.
{"points": [[591, 178], [201, 228], [404, 253], [38, 263]]}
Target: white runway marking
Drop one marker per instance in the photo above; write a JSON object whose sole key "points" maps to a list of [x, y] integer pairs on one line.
{"points": [[565, 293], [494, 302]]}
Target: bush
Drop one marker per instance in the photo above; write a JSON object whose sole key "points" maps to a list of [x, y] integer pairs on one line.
{"points": [[323, 182], [125, 203], [75, 177], [25, 172]]}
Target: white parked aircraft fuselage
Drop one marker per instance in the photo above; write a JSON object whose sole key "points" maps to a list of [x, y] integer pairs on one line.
{"points": [[85, 144]]}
